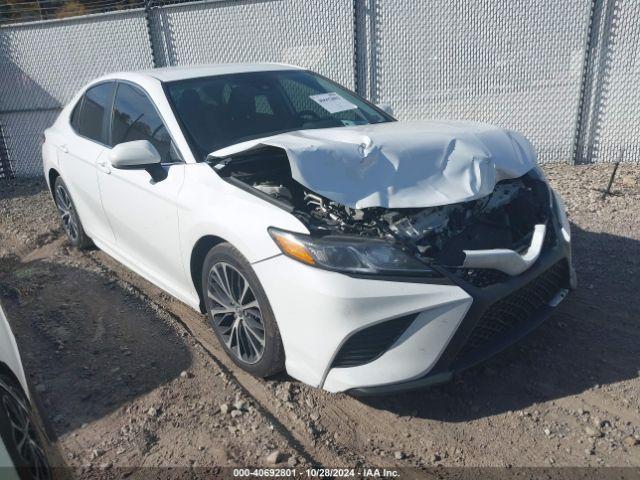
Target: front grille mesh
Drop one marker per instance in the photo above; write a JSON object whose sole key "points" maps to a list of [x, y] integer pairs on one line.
{"points": [[370, 343], [481, 277], [513, 311]]}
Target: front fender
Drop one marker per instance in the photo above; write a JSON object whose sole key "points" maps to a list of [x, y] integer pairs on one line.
{"points": [[209, 206]]}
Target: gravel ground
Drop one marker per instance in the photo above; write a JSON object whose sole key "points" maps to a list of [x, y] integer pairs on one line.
{"points": [[131, 377]]}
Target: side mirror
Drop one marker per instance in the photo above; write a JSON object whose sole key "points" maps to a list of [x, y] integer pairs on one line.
{"points": [[138, 155], [386, 108]]}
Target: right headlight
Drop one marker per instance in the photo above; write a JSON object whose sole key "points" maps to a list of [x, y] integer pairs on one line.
{"points": [[350, 255]]}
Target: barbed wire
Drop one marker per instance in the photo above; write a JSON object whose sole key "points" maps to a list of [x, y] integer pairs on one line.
{"points": [[86, 6], [30, 11]]}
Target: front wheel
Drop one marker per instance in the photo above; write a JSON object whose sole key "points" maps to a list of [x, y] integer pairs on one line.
{"points": [[239, 312]]}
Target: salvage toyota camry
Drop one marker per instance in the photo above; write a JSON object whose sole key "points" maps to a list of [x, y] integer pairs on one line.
{"points": [[318, 233]]}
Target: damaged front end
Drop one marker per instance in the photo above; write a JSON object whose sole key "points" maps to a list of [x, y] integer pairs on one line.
{"points": [[481, 241], [461, 212]]}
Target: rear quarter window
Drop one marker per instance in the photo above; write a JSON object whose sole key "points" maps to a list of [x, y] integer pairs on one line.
{"points": [[92, 118], [75, 114]]}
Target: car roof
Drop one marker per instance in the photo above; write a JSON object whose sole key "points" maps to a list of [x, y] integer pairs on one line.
{"points": [[169, 74]]}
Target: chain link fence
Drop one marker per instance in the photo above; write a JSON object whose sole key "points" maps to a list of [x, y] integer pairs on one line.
{"points": [[517, 64], [44, 63], [610, 126], [317, 34], [562, 73]]}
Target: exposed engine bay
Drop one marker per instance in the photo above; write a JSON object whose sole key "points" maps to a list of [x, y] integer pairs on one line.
{"points": [[503, 219]]}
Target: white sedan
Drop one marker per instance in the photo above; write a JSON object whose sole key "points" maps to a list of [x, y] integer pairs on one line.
{"points": [[318, 233]]}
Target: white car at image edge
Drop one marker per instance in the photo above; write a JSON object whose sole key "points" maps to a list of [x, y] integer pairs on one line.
{"points": [[25, 449], [319, 234]]}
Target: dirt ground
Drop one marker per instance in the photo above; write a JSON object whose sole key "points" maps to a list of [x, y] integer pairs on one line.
{"points": [[130, 377]]}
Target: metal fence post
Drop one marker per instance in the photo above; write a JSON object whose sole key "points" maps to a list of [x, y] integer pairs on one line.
{"points": [[583, 103], [5, 165], [365, 47], [148, 13], [360, 67], [594, 83]]}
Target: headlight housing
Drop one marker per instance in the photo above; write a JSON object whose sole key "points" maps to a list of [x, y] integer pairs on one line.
{"points": [[350, 254]]}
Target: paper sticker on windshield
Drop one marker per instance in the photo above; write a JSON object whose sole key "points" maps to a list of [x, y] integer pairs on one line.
{"points": [[332, 102]]}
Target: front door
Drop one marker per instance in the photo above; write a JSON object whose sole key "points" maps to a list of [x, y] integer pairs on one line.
{"points": [[143, 212]]}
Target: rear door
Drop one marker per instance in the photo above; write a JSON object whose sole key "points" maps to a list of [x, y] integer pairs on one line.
{"points": [[143, 212], [79, 154]]}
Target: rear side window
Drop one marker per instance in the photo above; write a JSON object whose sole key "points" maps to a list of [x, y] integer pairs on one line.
{"points": [[92, 119], [75, 114], [135, 118]]}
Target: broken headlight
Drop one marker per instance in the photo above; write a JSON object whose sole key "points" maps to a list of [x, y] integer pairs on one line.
{"points": [[350, 255]]}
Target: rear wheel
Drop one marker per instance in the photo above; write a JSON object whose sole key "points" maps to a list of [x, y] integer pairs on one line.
{"points": [[239, 312], [69, 216]]}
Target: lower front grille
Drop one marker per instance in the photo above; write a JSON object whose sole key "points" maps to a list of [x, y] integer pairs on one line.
{"points": [[481, 277], [370, 343], [514, 311]]}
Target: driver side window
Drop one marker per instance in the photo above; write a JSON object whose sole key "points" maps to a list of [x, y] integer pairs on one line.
{"points": [[135, 118]]}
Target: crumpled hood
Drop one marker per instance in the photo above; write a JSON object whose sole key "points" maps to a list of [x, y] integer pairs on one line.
{"points": [[401, 164]]}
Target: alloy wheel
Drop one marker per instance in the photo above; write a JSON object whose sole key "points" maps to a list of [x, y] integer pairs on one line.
{"points": [[236, 313], [24, 435], [67, 212]]}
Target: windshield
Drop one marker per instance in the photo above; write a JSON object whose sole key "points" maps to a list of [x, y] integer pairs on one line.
{"points": [[224, 110]]}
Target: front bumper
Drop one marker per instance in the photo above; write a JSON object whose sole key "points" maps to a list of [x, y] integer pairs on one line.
{"points": [[319, 311]]}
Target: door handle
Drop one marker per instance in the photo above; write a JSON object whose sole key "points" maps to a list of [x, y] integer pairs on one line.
{"points": [[103, 166], [64, 148]]}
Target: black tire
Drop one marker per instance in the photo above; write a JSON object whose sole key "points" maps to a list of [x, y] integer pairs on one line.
{"points": [[225, 260], [69, 216], [21, 433]]}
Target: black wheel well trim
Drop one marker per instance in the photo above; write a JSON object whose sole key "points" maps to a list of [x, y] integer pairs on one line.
{"points": [[6, 370], [198, 254], [52, 175]]}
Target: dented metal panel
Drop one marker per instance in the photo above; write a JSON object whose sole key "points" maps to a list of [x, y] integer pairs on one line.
{"points": [[401, 164]]}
